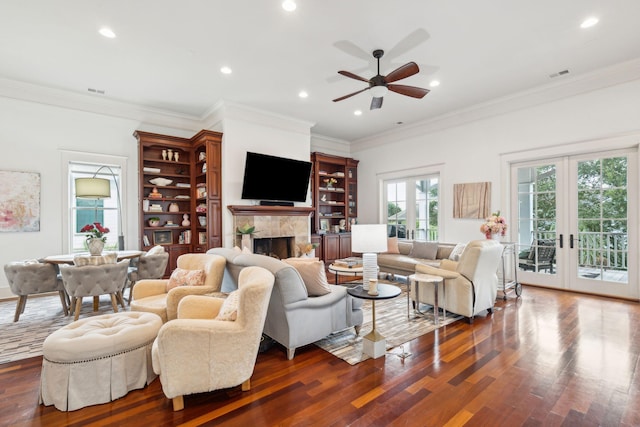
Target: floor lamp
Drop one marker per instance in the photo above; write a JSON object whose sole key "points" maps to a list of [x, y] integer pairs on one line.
{"points": [[369, 239], [100, 188]]}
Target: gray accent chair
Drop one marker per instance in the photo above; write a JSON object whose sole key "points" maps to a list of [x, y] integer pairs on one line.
{"points": [[294, 319], [94, 280], [29, 278], [147, 267]]}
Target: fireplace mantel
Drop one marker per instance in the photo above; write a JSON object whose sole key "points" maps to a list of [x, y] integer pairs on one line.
{"points": [[257, 210]]}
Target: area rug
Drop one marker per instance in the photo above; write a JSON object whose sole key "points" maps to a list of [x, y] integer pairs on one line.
{"points": [[42, 315], [391, 321]]}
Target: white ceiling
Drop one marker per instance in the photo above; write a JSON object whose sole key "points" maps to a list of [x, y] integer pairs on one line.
{"points": [[168, 53]]}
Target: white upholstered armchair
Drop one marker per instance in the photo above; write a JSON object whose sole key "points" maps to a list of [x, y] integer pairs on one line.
{"points": [[157, 296], [199, 353], [470, 284]]}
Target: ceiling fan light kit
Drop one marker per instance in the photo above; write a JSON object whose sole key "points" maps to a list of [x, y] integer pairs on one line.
{"points": [[380, 84]]}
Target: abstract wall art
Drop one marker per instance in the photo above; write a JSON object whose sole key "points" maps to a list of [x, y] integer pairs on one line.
{"points": [[19, 201], [471, 200]]}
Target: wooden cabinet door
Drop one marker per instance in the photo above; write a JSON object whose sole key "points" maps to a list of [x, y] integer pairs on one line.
{"points": [[345, 245], [331, 247], [215, 224], [174, 252]]}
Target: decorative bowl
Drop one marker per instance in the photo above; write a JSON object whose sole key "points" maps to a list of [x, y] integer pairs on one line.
{"points": [[154, 222], [162, 182]]}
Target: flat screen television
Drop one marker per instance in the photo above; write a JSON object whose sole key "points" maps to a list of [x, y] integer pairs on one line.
{"points": [[275, 179]]}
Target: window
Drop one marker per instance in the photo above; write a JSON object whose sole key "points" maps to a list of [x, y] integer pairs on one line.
{"points": [[79, 212], [412, 207], [87, 211]]}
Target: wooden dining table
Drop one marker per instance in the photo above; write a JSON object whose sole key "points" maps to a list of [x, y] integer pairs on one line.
{"points": [[68, 258]]}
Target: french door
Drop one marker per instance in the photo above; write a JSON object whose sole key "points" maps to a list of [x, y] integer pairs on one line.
{"points": [[576, 219], [412, 207]]}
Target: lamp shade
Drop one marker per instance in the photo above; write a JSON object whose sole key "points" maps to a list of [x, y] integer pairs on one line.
{"points": [[93, 188], [369, 238]]}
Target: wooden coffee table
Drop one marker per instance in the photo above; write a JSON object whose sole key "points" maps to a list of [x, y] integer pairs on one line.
{"points": [[339, 270], [374, 343]]}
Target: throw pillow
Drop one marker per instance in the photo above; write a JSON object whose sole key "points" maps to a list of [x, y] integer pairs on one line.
{"points": [[246, 250], [457, 252], [229, 309], [424, 250], [156, 250], [237, 249], [392, 245], [313, 275], [182, 277], [108, 258]]}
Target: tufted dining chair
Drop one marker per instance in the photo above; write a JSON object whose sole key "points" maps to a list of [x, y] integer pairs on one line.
{"points": [[94, 280], [149, 266], [225, 332], [33, 277]]}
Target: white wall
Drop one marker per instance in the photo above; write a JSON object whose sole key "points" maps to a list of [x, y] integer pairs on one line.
{"points": [[241, 136], [472, 152]]}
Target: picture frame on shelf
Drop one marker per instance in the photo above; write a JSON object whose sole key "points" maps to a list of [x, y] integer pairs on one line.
{"points": [[162, 237], [324, 224], [202, 238]]}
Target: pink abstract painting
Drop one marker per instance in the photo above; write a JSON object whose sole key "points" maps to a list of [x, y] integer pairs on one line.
{"points": [[19, 201]]}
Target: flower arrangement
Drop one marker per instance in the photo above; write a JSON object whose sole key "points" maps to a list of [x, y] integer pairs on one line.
{"points": [[307, 247], [96, 231], [494, 224], [330, 181]]}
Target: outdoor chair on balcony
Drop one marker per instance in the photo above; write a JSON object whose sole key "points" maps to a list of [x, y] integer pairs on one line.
{"points": [[541, 256]]}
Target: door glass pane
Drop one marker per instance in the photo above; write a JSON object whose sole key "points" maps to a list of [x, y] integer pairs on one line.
{"points": [[396, 209], [537, 219], [602, 219]]}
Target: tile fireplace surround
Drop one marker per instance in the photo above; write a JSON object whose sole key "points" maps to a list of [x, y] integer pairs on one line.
{"points": [[273, 221]]}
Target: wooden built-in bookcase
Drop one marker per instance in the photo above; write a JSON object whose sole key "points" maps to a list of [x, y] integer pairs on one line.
{"points": [[194, 193]]}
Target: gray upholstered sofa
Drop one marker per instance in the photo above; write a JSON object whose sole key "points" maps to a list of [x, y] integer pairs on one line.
{"points": [[294, 319], [404, 264]]}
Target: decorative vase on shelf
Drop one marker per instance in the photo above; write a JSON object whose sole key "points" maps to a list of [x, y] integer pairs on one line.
{"points": [[95, 246]]}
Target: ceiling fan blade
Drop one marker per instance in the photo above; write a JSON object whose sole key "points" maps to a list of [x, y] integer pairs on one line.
{"points": [[412, 40], [412, 91], [376, 103], [350, 95], [402, 72], [351, 49], [353, 76]]}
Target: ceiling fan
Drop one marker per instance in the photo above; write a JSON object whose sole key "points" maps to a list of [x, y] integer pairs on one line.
{"points": [[380, 84]]}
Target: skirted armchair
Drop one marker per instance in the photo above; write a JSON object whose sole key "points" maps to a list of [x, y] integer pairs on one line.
{"points": [[470, 284], [159, 297], [199, 352]]}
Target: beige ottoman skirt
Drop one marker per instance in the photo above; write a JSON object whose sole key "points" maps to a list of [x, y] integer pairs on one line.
{"points": [[98, 359]]}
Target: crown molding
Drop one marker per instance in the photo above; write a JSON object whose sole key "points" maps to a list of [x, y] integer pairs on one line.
{"points": [[233, 111], [95, 104], [588, 82]]}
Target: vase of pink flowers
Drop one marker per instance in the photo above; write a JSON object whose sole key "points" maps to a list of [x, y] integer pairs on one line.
{"points": [[95, 237], [494, 226]]}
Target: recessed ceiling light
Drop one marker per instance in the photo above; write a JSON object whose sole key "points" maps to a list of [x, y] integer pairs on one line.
{"points": [[357, 112], [107, 32], [225, 70], [434, 83], [289, 5], [303, 94], [589, 22]]}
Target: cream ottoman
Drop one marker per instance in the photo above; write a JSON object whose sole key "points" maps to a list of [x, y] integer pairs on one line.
{"points": [[98, 359]]}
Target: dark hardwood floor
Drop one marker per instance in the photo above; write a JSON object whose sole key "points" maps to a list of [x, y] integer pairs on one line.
{"points": [[547, 359]]}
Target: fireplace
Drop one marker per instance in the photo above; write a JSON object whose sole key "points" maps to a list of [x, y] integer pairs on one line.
{"points": [[276, 247], [278, 229]]}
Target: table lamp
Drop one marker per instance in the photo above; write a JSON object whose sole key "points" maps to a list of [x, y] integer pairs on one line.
{"points": [[369, 239]]}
